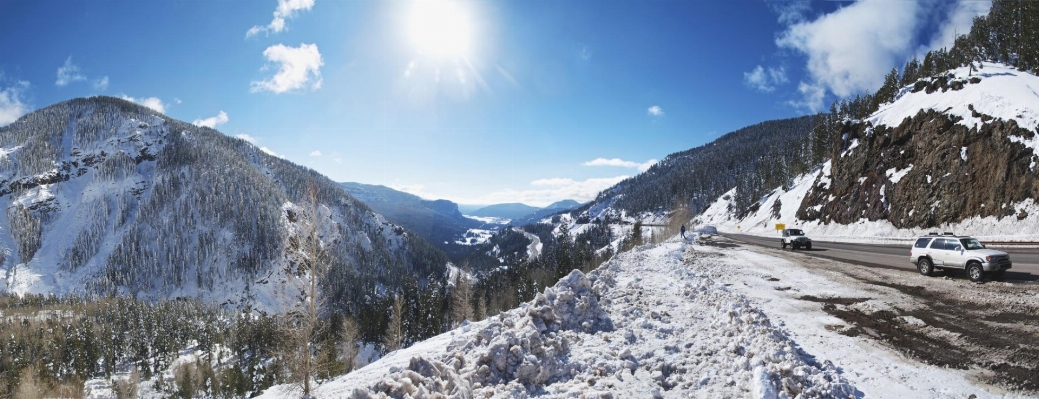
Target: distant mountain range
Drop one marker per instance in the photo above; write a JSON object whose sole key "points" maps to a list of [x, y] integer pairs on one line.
{"points": [[505, 211], [438, 221]]}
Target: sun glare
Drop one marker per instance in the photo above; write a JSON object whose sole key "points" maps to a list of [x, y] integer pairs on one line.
{"points": [[439, 28]]}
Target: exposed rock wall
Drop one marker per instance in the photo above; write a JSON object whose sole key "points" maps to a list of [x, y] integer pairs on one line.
{"points": [[941, 186]]}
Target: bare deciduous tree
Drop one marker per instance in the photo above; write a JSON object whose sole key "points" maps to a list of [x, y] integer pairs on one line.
{"points": [[304, 297], [394, 331]]}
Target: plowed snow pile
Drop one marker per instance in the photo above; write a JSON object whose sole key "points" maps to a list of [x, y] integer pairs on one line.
{"points": [[642, 325]]}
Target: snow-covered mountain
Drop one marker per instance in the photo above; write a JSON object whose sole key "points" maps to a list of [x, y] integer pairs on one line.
{"points": [[103, 196], [957, 152]]}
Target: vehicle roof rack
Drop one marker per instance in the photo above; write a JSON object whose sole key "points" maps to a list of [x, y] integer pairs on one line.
{"points": [[949, 233], [933, 233]]}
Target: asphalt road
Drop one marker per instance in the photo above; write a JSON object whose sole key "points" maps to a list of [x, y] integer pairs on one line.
{"points": [[1025, 269]]}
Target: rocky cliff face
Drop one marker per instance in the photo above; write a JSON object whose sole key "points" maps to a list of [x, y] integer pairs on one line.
{"points": [[929, 170]]}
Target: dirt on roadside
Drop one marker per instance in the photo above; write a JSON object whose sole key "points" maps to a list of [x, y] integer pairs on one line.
{"points": [[990, 329]]}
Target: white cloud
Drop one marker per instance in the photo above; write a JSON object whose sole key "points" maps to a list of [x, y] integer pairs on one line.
{"points": [[247, 137], [414, 189], [177, 100], [150, 102], [101, 84], [338, 160], [850, 50], [268, 151], [655, 111], [765, 80], [557, 189], [316, 153], [286, 9], [585, 52], [68, 73], [213, 121], [642, 167], [300, 68], [958, 21], [12, 103], [790, 11]]}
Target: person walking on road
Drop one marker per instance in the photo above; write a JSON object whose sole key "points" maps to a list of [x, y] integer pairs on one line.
{"points": [[683, 231]]}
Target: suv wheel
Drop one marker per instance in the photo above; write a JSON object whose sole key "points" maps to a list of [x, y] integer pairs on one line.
{"points": [[925, 266], [783, 243], [809, 246], [975, 272]]}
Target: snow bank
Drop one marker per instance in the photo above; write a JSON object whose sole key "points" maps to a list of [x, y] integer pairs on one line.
{"points": [[1003, 93], [642, 325]]}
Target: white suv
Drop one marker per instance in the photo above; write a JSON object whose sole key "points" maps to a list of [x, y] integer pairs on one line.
{"points": [[958, 252], [795, 238]]}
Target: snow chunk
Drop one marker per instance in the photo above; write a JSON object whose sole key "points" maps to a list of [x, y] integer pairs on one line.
{"points": [[896, 175], [963, 153]]}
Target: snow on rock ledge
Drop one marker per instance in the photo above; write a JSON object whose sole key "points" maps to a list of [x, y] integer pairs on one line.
{"points": [[642, 325]]}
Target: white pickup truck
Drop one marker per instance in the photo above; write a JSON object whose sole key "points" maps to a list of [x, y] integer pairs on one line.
{"points": [[950, 251]]}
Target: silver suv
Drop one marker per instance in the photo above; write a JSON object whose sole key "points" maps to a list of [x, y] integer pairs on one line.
{"points": [[795, 238], [950, 251]]}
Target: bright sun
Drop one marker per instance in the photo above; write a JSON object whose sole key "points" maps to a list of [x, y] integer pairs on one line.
{"points": [[439, 28]]}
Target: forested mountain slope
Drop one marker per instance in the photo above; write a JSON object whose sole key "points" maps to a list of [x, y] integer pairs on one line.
{"points": [[438, 221], [102, 196], [755, 158]]}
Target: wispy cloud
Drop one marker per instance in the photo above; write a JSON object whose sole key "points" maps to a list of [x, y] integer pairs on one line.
{"points": [[316, 153], [959, 20], [247, 137], [790, 11], [338, 160], [585, 52], [547, 191], [286, 9], [68, 73], [851, 49], [150, 102], [765, 80], [300, 67], [177, 100], [101, 84], [213, 121], [655, 111], [642, 167], [12, 101]]}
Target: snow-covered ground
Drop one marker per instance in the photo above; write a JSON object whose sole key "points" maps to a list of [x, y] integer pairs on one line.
{"points": [[643, 325], [676, 319], [779, 285]]}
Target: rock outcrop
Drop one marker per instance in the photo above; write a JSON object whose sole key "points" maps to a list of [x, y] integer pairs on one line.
{"points": [[927, 171]]}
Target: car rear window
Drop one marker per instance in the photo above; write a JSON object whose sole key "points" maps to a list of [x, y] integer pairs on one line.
{"points": [[938, 243], [921, 242]]}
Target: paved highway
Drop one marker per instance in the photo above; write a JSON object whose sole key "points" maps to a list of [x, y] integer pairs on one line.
{"points": [[1025, 270]]}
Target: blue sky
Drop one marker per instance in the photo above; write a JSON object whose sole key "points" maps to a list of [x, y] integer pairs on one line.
{"points": [[474, 101]]}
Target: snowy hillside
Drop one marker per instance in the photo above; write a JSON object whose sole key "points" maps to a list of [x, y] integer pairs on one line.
{"points": [[102, 196], [642, 325], [1002, 93], [954, 153]]}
